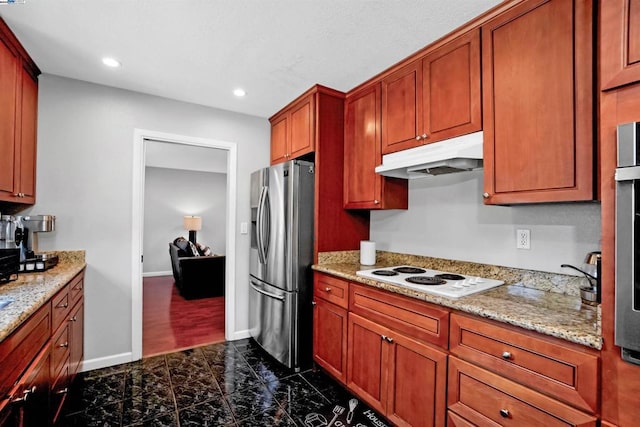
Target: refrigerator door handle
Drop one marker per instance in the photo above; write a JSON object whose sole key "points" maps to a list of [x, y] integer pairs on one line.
{"points": [[260, 225], [266, 226], [263, 292]]}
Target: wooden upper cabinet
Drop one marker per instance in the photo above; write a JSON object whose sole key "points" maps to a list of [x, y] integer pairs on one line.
{"points": [[435, 97], [451, 89], [538, 103], [19, 98], [9, 63], [619, 42], [401, 108], [293, 130], [363, 187]]}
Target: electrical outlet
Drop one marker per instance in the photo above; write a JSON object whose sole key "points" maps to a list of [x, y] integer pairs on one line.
{"points": [[244, 228], [523, 239]]}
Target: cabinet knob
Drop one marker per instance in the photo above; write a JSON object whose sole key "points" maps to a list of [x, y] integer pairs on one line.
{"points": [[506, 355], [504, 413], [313, 303], [376, 202], [418, 137], [424, 136], [73, 319], [64, 345], [327, 289], [389, 339], [485, 195], [383, 337]]}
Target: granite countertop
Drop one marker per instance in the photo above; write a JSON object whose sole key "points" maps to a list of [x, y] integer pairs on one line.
{"points": [[32, 290], [518, 303]]}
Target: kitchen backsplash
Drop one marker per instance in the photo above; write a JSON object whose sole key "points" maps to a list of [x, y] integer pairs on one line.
{"points": [[540, 280]]}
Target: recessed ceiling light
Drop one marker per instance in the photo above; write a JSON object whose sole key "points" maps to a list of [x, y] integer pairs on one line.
{"points": [[111, 62], [239, 92]]}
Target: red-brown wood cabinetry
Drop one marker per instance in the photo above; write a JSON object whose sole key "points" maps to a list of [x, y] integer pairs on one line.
{"points": [[19, 95], [434, 97], [397, 375], [293, 130], [330, 301], [620, 42], [363, 187], [537, 61]]}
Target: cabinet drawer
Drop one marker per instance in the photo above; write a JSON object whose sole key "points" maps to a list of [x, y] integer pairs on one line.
{"points": [[558, 370], [76, 289], [59, 349], [484, 398], [416, 319], [60, 307], [59, 392], [331, 289]]}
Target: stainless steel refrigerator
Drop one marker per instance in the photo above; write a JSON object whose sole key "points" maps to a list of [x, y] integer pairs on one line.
{"points": [[280, 312]]}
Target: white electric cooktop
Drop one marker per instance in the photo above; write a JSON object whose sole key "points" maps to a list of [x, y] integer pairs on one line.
{"points": [[434, 282]]}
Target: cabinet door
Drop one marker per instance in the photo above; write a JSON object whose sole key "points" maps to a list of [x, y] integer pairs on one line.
{"points": [[417, 383], [363, 187], [367, 360], [401, 109], [76, 338], [538, 103], [330, 338], [451, 89], [279, 139], [9, 64], [302, 127], [620, 42], [26, 172]]}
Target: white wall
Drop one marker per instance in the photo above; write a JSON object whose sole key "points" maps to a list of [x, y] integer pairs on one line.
{"points": [[170, 194], [447, 219], [85, 145]]}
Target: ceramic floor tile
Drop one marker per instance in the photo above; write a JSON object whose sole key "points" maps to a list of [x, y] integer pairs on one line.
{"points": [[136, 411], [192, 393], [97, 416], [271, 417], [252, 401], [206, 414], [165, 420], [89, 392]]}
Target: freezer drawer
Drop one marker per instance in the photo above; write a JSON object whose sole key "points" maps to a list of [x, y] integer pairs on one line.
{"points": [[272, 321]]}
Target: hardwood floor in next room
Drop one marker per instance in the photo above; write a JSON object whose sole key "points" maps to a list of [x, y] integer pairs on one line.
{"points": [[171, 323]]}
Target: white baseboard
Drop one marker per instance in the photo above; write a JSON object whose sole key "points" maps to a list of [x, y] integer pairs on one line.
{"points": [[238, 335], [157, 273], [103, 362]]}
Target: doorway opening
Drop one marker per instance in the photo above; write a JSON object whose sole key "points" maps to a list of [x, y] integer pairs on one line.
{"points": [[165, 164]]}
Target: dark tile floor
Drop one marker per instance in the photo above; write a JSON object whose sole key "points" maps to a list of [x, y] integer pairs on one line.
{"points": [[227, 384]]}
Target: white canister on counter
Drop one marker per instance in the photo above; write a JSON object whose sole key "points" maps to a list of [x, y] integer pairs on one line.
{"points": [[367, 252]]}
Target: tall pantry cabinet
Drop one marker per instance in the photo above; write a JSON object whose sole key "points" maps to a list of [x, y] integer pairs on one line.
{"points": [[19, 98]]}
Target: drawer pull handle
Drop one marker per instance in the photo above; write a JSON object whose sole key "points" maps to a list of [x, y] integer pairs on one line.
{"points": [[64, 345], [63, 391], [327, 289], [504, 413], [73, 319], [313, 303], [384, 337], [389, 339], [506, 355], [25, 395], [65, 305]]}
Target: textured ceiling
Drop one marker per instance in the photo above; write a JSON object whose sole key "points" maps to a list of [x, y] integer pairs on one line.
{"points": [[200, 50]]}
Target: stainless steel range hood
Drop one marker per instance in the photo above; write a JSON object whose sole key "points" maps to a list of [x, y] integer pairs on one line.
{"points": [[463, 153]]}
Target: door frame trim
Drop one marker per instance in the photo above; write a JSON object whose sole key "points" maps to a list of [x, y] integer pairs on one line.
{"points": [[137, 225]]}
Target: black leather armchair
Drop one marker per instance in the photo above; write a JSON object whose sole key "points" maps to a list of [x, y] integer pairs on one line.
{"points": [[197, 276]]}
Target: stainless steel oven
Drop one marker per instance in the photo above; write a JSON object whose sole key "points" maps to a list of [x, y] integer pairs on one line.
{"points": [[627, 327]]}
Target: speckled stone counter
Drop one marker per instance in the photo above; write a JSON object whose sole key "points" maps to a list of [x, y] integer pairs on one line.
{"points": [[32, 290], [547, 303]]}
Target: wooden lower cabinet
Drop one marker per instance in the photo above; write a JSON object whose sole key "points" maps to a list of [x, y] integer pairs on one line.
{"points": [[330, 338], [486, 399], [39, 360], [401, 377]]}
